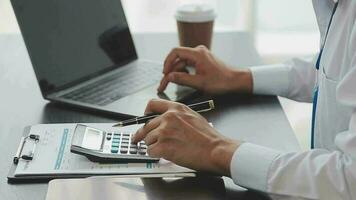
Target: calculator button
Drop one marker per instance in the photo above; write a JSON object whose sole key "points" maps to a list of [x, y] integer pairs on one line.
{"points": [[123, 150], [126, 138], [115, 140], [133, 146], [114, 150], [142, 151], [133, 151], [125, 144], [108, 134], [115, 145], [108, 137], [126, 135]]}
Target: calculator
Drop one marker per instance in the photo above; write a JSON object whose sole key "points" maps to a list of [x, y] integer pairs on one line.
{"points": [[108, 147]]}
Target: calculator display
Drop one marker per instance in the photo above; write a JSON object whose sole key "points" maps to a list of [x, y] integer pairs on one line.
{"points": [[92, 139], [108, 146]]}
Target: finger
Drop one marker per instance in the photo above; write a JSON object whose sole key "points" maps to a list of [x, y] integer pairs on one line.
{"points": [[160, 106], [182, 53], [151, 137], [144, 130], [179, 66], [163, 84], [182, 78], [153, 150]]}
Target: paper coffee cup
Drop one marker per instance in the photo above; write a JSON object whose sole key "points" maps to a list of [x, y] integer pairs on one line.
{"points": [[195, 24]]}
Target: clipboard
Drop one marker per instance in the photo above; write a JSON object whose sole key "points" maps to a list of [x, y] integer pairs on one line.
{"points": [[12, 179], [34, 148]]}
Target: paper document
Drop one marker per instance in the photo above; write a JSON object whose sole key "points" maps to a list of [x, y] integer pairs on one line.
{"points": [[53, 157]]}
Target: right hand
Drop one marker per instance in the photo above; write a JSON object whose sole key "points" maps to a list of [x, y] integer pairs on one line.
{"points": [[212, 75], [184, 137]]}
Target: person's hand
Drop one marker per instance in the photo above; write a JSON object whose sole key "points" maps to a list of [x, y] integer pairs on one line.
{"points": [[211, 76], [186, 138]]}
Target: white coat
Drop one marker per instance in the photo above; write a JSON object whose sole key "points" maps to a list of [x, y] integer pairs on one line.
{"points": [[329, 170]]}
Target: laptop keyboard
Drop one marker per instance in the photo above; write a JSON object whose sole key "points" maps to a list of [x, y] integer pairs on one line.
{"points": [[114, 87]]}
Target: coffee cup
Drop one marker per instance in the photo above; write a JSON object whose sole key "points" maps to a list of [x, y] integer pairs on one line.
{"points": [[195, 24]]}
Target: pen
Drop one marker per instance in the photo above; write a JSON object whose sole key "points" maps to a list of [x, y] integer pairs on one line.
{"points": [[198, 107]]}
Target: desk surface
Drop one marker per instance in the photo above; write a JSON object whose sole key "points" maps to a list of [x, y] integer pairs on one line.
{"points": [[258, 119]]}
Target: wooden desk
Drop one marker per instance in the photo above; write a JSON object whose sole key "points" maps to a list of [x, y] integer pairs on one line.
{"points": [[258, 119]]}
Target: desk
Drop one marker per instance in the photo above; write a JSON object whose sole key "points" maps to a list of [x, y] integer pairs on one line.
{"points": [[258, 119]]}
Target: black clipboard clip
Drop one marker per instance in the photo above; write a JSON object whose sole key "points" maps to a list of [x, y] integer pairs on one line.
{"points": [[29, 156]]}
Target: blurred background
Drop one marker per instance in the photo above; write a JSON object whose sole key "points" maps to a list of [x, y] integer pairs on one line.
{"points": [[281, 30]]}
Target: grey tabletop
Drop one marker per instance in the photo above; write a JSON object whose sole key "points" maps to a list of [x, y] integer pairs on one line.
{"points": [[257, 119]]}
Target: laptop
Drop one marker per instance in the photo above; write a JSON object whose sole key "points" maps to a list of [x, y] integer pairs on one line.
{"points": [[83, 55]]}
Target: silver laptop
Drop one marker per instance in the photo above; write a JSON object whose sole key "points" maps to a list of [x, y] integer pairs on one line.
{"points": [[83, 54]]}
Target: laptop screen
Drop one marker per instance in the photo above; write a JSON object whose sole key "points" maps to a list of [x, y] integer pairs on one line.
{"points": [[73, 40]]}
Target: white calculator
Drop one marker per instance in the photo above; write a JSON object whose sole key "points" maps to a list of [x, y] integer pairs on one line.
{"points": [[108, 147]]}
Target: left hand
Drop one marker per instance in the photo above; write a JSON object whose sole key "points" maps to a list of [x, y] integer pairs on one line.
{"points": [[186, 138]]}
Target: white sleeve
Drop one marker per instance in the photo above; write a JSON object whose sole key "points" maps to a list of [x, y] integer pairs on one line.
{"points": [[314, 174], [294, 79]]}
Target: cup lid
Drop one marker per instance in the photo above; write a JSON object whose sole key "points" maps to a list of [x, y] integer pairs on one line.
{"points": [[195, 13]]}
